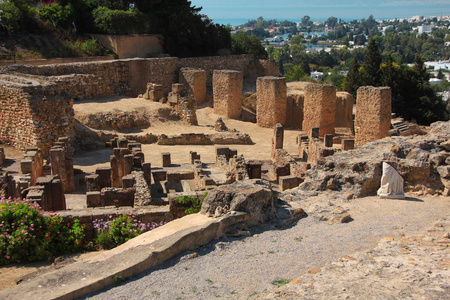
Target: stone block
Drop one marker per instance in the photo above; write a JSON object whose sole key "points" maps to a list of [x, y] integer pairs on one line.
{"points": [[93, 199], [348, 144], [147, 169], [282, 171], [127, 181], [193, 156], [328, 140], [165, 159], [104, 177], [159, 175], [118, 197], [180, 175], [254, 169], [92, 183], [288, 182], [315, 133], [127, 164], [177, 88]]}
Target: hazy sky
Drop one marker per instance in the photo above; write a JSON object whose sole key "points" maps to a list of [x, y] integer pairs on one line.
{"points": [[319, 9]]}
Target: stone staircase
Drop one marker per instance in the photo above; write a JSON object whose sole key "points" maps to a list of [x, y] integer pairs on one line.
{"points": [[400, 125]]}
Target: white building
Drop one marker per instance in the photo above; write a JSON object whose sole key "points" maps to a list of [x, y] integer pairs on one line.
{"points": [[425, 28]]}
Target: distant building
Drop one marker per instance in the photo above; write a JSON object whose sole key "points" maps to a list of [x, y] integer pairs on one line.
{"points": [[425, 28], [316, 75]]}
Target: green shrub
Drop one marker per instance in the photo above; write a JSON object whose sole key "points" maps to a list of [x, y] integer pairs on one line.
{"points": [[119, 21], [16, 16], [56, 15], [27, 235], [195, 204], [113, 232], [92, 47]]}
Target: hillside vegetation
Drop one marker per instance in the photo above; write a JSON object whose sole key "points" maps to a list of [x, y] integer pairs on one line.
{"points": [[60, 28]]}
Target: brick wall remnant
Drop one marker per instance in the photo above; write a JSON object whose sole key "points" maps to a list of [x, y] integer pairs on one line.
{"points": [[227, 91], [348, 144], [194, 81], [32, 164], [344, 110], [272, 101], [63, 167], [320, 108], [373, 114]]}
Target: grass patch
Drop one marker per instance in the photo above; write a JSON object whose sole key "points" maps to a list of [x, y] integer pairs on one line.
{"points": [[280, 282]]}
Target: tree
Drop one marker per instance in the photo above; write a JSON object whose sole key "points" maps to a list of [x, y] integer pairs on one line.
{"points": [[353, 78], [372, 63], [242, 43], [305, 20], [331, 22]]}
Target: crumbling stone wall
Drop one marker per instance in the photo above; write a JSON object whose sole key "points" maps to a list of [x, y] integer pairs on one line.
{"points": [[242, 63], [227, 90], [194, 81], [35, 115], [271, 102], [373, 114], [320, 108]]}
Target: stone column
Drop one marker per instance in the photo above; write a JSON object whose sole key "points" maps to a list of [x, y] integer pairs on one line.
{"points": [[115, 179], [373, 114], [320, 108], [127, 164], [227, 90], [328, 140], [271, 101], [277, 139], [147, 168]]}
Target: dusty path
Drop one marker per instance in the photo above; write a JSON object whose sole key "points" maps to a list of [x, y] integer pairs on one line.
{"points": [[236, 268]]}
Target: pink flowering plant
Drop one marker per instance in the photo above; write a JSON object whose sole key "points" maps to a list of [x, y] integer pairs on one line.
{"points": [[116, 231], [27, 235]]}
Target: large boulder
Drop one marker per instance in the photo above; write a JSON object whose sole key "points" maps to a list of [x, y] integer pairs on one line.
{"points": [[254, 197]]}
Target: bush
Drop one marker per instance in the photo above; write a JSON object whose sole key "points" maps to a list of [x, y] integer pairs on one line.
{"points": [[26, 235], [57, 15], [114, 232], [195, 204], [120, 22]]}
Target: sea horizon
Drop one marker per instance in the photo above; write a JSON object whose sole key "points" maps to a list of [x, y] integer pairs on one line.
{"points": [[241, 21]]}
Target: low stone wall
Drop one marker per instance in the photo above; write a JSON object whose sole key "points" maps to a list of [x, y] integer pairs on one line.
{"points": [[35, 115], [88, 215], [223, 138]]}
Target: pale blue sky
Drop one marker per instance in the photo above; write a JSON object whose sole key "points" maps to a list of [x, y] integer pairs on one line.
{"points": [[319, 9]]}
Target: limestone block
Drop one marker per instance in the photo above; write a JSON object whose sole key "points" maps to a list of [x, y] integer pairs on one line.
{"points": [[93, 199], [165, 159], [288, 182]]}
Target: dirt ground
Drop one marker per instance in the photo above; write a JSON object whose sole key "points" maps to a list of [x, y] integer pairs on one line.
{"points": [[262, 137]]}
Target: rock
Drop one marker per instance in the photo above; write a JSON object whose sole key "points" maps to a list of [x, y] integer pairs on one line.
{"points": [[219, 125], [444, 171], [251, 196]]}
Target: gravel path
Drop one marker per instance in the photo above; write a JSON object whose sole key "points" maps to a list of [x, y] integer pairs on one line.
{"points": [[237, 268]]}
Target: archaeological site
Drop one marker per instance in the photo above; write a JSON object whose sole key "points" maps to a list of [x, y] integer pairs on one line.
{"points": [[93, 139]]}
